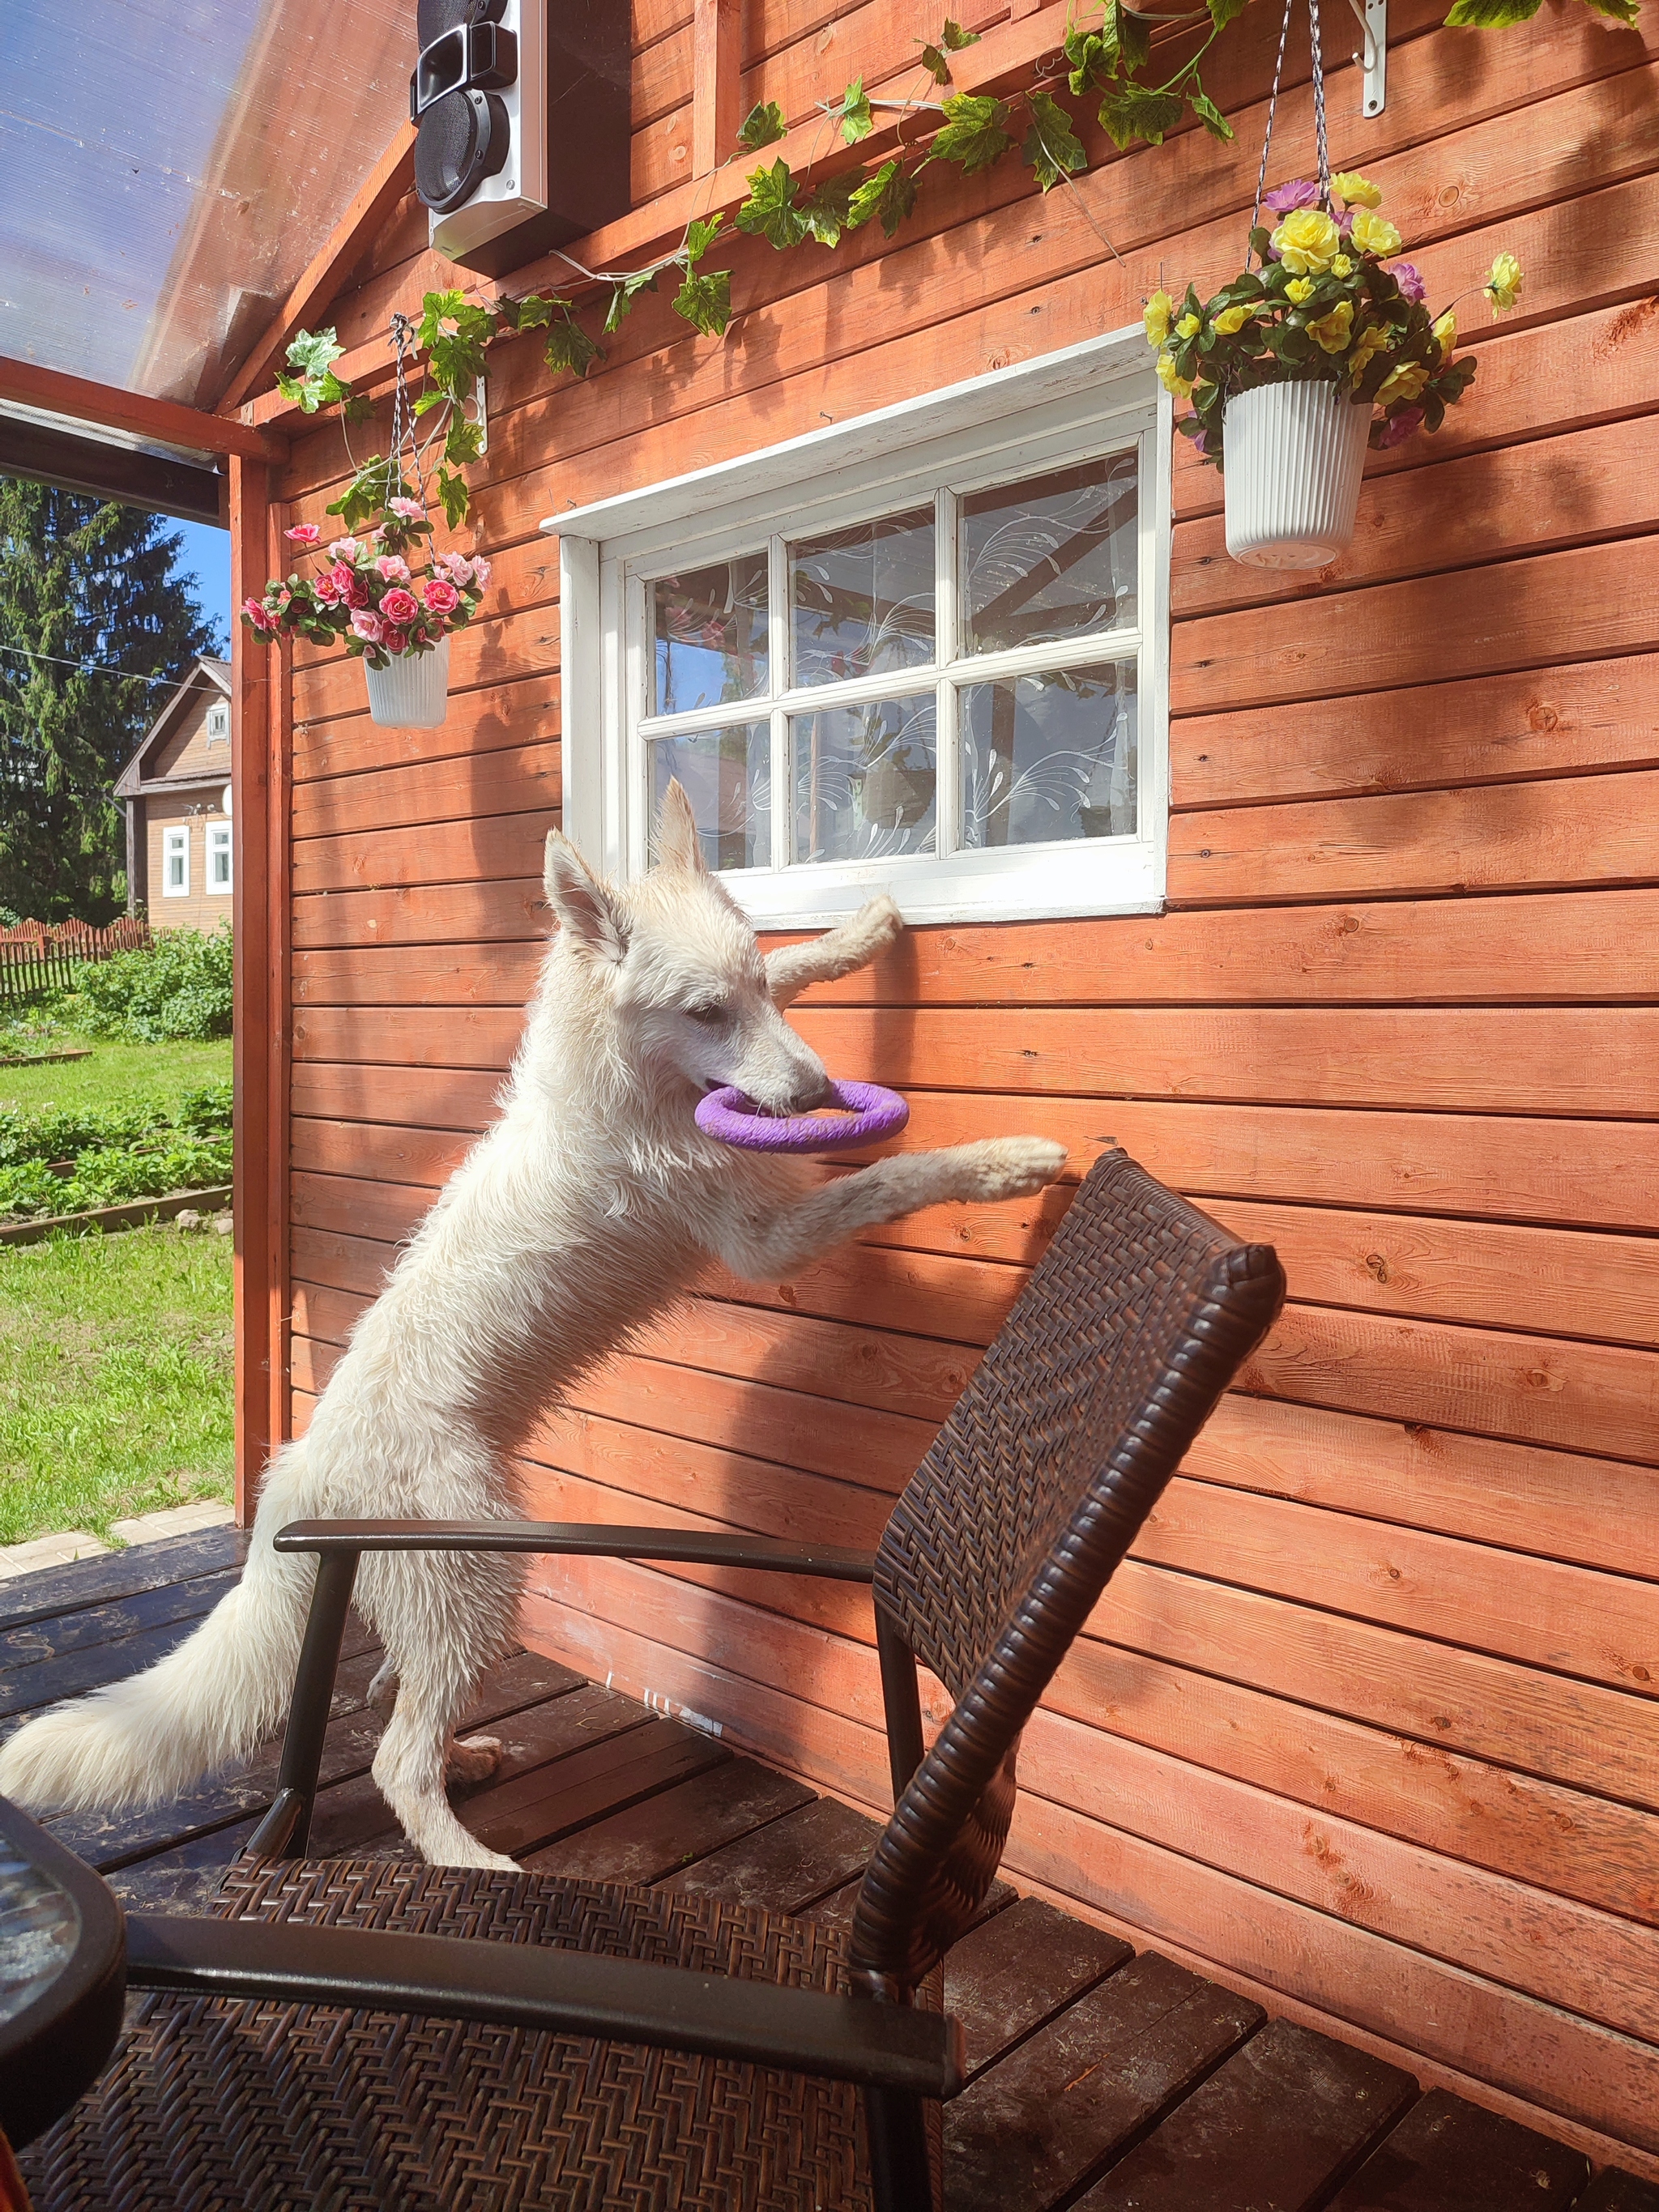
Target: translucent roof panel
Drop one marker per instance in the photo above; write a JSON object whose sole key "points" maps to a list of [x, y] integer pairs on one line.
{"points": [[169, 167]]}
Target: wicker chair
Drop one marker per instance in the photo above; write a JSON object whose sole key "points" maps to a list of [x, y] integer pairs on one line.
{"points": [[368, 2034]]}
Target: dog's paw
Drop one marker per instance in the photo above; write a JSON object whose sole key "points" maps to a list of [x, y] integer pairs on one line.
{"points": [[474, 1758], [1011, 1167], [878, 922]]}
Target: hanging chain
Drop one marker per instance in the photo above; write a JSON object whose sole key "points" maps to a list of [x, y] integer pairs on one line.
{"points": [[1273, 103], [1319, 108], [402, 415]]}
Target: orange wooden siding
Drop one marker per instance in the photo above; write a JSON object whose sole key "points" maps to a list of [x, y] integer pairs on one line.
{"points": [[1370, 1723]]}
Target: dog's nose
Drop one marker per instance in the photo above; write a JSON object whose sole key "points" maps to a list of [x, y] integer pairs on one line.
{"points": [[817, 1091]]}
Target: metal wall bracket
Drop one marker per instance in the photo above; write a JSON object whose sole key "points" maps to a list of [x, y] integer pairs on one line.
{"points": [[1372, 17]]}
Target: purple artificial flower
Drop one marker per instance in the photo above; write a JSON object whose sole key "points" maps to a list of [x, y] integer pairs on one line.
{"points": [[1404, 274], [1399, 427], [1200, 443], [1304, 192]]}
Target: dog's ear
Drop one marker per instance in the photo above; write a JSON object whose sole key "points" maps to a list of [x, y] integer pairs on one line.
{"points": [[679, 845], [583, 905]]}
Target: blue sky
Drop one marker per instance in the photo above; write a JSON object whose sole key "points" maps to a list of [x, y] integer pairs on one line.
{"points": [[206, 557]]}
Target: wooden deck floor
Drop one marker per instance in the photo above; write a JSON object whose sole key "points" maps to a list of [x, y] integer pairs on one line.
{"points": [[1101, 2079]]}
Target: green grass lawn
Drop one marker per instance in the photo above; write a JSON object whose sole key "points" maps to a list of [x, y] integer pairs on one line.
{"points": [[115, 1351]]}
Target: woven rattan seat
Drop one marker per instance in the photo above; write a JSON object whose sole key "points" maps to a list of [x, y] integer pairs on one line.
{"points": [[222, 2104], [1132, 1323]]}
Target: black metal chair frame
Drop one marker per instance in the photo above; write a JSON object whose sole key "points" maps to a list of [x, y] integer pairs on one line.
{"points": [[1197, 1303]]}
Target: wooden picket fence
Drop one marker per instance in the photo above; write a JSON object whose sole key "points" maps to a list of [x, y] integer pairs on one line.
{"points": [[40, 958]]}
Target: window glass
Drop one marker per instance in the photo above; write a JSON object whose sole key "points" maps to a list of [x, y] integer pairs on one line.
{"points": [[709, 636], [864, 780], [219, 858], [218, 724], [727, 776], [1049, 756], [1051, 558], [175, 851], [861, 601]]}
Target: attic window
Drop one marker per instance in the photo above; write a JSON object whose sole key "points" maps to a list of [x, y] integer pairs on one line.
{"points": [[218, 723]]}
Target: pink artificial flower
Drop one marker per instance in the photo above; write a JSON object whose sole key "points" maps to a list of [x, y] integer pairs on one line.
{"points": [[1405, 274], [278, 597], [324, 590], [353, 588], [1399, 427], [368, 625], [304, 533], [459, 567], [399, 606], [393, 569], [1303, 192], [481, 573], [440, 596], [394, 641], [409, 510], [253, 613], [344, 549]]}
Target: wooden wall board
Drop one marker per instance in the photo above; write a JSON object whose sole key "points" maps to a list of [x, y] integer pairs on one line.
{"points": [[485, 721], [486, 652], [427, 974], [499, 845], [494, 782], [444, 914], [448, 1098]]}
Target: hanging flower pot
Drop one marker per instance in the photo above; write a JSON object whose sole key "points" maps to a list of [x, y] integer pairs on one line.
{"points": [[412, 691], [1295, 455]]}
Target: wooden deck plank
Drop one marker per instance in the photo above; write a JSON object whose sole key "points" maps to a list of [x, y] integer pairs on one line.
{"points": [[1448, 2155], [673, 1829], [1017, 1970], [1080, 2091], [38, 1641], [1286, 2117], [1615, 2190], [28, 1688], [789, 1864], [529, 1813], [52, 1593]]}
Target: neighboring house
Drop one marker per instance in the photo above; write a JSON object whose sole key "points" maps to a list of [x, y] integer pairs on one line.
{"points": [[176, 790]]}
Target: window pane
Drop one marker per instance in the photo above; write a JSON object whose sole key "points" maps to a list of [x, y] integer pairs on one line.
{"points": [[1049, 757], [1053, 557], [863, 599], [727, 775], [709, 628], [864, 780]]}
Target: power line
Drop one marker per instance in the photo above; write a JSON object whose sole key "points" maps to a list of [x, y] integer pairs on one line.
{"points": [[87, 667]]}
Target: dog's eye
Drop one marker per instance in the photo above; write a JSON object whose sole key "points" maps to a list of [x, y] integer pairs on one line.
{"points": [[710, 1017]]}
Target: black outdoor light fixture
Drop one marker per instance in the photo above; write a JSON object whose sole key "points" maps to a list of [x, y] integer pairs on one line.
{"points": [[522, 111]]}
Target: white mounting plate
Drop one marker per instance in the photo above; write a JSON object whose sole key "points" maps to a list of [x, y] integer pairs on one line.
{"points": [[1372, 17]]}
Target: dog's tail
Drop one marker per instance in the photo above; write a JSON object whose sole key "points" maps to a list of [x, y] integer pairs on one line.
{"points": [[219, 1695]]}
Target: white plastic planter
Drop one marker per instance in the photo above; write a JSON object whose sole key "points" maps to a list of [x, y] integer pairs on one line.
{"points": [[412, 691], [1295, 454]]}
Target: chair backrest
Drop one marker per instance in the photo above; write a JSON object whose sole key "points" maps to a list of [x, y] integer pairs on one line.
{"points": [[1132, 1326]]}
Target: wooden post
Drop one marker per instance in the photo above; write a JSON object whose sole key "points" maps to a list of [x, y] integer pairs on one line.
{"points": [[716, 83], [260, 823]]}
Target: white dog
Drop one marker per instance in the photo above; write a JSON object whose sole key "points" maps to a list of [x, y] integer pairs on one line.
{"points": [[588, 1208]]}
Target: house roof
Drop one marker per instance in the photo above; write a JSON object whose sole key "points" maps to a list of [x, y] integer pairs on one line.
{"points": [[133, 782]]}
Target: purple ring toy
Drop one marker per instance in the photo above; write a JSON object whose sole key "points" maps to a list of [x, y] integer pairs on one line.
{"points": [[735, 1119]]}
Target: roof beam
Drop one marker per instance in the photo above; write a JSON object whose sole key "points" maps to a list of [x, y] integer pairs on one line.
{"points": [[28, 385], [151, 480], [378, 194]]}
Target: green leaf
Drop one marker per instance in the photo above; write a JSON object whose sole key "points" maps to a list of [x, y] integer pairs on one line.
{"points": [[464, 441], [770, 210], [1091, 63], [705, 301], [452, 491], [437, 309], [568, 346], [535, 313], [856, 121], [1136, 111], [1622, 11], [314, 352], [933, 61], [973, 136], [1222, 12], [762, 126], [624, 294], [829, 210], [953, 38], [1052, 148], [889, 193], [1132, 34], [429, 400], [1210, 115], [1491, 15], [700, 235]]}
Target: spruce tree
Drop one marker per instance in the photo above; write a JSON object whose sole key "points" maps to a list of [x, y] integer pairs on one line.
{"points": [[90, 604]]}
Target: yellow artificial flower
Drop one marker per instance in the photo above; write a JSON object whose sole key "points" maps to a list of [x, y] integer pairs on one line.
{"points": [[1188, 327], [1306, 242], [1373, 234], [1159, 308], [1231, 320], [1503, 286], [1299, 288], [1333, 331], [1180, 386], [1355, 191], [1445, 333], [1371, 341], [1406, 382], [1342, 266]]}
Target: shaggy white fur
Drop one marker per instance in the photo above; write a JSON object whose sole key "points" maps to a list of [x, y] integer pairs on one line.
{"points": [[585, 1212]]}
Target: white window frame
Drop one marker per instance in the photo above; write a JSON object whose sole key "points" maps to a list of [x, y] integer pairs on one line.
{"points": [[218, 722], [1067, 407], [175, 841], [219, 841]]}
